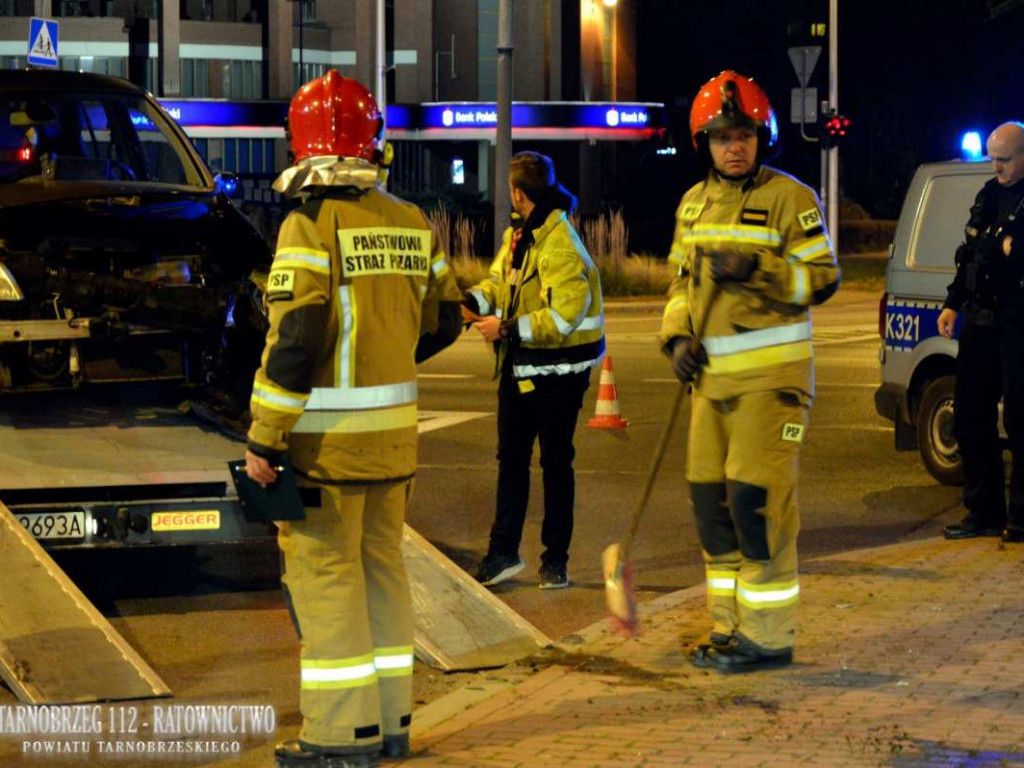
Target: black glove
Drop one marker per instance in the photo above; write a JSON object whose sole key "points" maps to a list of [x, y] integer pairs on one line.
{"points": [[685, 363], [728, 265]]}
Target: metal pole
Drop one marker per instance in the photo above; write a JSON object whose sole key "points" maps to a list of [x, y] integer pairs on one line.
{"points": [[503, 137], [302, 26], [823, 179], [380, 86], [833, 102]]}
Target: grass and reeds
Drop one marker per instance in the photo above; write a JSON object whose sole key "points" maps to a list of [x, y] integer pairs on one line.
{"points": [[625, 274]]}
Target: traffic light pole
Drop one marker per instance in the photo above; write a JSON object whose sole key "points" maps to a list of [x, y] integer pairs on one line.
{"points": [[832, 204], [380, 75], [503, 136]]}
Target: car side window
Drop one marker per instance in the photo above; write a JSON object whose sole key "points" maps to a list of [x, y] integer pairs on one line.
{"points": [[945, 207], [162, 161]]}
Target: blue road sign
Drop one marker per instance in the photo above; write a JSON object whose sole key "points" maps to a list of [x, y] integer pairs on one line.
{"points": [[42, 42]]}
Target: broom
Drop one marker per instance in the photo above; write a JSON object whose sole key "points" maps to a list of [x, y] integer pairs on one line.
{"points": [[619, 589]]}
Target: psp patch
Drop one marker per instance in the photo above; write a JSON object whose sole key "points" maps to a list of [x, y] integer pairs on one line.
{"points": [[793, 433], [691, 211], [755, 216], [281, 285], [809, 219]]}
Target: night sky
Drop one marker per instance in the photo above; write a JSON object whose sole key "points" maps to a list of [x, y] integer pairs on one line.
{"points": [[913, 76]]}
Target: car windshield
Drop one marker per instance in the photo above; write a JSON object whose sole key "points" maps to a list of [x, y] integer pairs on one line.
{"points": [[90, 137]]}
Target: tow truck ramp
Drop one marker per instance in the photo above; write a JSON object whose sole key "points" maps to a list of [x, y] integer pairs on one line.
{"points": [[459, 624], [55, 647]]}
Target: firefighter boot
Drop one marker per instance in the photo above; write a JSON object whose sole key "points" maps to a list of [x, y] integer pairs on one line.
{"points": [[698, 654], [743, 656], [294, 754]]}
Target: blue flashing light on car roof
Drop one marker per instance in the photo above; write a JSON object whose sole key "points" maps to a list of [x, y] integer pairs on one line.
{"points": [[970, 146]]}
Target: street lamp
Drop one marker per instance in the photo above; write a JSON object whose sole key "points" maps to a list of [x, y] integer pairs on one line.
{"points": [[610, 3]]}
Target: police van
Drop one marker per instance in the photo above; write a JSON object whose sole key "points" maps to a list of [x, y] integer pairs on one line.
{"points": [[918, 365]]}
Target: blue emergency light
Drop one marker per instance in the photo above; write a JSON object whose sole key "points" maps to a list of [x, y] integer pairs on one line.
{"points": [[970, 146]]}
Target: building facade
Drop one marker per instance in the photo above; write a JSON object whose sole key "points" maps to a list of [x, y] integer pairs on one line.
{"points": [[436, 51]]}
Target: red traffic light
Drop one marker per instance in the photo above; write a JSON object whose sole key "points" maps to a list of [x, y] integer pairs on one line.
{"points": [[836, 126]]}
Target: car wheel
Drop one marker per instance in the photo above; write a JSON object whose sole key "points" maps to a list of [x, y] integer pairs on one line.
{"points": [[935, 439]]}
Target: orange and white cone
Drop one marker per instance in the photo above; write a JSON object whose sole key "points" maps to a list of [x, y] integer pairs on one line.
{"points": [[607, 414]]}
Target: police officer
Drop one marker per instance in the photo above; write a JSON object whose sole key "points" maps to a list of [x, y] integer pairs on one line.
{"points": [[542, 307], [358, 293], [753, 255], [988, 291]]}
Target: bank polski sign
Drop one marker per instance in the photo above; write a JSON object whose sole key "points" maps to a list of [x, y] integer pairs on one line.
{"points": [[597, 115]]}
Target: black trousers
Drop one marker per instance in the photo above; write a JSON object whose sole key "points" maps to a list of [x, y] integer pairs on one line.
{"points": [[990, 365], [547, 413]]}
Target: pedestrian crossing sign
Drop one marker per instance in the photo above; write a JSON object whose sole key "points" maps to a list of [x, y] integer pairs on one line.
{"points": [[42, 42]]}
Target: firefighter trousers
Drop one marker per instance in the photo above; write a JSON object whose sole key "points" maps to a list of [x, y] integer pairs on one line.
{"points": [[345, 582], [742, 465]]}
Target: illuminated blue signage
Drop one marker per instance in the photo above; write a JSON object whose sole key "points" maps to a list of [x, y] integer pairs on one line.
{"points": [[540, 115], [226, 113], [602, 116], [252, 113]]}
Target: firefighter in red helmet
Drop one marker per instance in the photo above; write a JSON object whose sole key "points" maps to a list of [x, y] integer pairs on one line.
{"points": [[337, 392], [752, 255]]}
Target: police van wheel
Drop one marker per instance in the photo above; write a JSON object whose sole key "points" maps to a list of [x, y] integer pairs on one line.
{"points": [[935, 439]]}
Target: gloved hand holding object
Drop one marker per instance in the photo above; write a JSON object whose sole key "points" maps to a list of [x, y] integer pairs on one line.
{"points": [[687, 362], [732, 266]]}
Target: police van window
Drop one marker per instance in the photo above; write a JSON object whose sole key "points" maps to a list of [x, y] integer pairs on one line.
{"points": [[940, 227]]}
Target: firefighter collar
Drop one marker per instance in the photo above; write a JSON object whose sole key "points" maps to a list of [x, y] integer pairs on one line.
{"points": [[327, 171], [553, 220]]}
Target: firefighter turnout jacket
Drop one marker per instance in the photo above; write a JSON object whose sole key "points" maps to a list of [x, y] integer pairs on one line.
{"points": [[758, 334], [357, 280], [554, 298]]}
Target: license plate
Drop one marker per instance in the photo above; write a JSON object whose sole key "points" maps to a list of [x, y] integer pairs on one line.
{"points": [[54, 525]]}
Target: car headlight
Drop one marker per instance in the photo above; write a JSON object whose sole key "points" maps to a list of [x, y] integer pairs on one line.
{"points": [[9, 290]]}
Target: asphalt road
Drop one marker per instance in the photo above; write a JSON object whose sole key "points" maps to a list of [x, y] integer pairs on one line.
{"points": [[212, 622]]}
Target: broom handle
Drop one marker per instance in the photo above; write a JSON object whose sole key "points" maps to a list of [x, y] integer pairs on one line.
{"points": [[666, 434]]}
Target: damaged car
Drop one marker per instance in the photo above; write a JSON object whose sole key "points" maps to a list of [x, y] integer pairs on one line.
{"points": [[122, 257]]}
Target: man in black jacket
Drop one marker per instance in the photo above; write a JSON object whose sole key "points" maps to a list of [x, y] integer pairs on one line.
{"points": [[989, 291]]}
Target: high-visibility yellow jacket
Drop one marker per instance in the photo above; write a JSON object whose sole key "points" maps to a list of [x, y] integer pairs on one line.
{"points": [[357, 279], [758, 335], [554, 299]]}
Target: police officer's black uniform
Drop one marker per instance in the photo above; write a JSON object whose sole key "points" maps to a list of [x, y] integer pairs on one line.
{"points": [[988, 291]]}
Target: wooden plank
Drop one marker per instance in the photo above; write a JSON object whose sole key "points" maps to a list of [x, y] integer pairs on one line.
{"points": [[460, 624], [55, 647]]}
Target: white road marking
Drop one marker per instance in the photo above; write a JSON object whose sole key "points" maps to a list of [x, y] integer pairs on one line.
{"points": [[445, 376], [851, 340], [819, 385], [431, 420]]}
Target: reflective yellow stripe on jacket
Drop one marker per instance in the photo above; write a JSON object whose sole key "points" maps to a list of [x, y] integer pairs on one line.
{"points": [[277, 398], [757, 349], [729, 234]]}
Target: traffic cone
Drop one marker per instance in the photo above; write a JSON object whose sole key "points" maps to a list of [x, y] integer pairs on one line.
{"points": [[607, 414]]}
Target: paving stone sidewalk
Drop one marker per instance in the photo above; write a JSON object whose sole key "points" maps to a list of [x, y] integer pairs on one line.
{"points": [[907, 655]]}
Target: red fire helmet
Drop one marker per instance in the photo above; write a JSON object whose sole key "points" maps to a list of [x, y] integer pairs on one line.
{"points": [[732, 100], [335, 115]]}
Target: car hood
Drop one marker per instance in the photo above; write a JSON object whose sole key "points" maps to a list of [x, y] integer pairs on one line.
{"points": [[164, 221]]}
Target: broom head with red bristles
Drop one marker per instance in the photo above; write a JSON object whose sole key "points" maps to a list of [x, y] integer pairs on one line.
{"points": [[619, 592]]}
